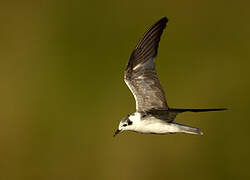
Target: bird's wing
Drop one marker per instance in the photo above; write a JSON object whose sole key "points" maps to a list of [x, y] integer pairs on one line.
{"points": [[140, 73]]}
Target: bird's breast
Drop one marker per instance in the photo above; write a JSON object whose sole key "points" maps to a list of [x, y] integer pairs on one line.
{"points": [[155, 126]]}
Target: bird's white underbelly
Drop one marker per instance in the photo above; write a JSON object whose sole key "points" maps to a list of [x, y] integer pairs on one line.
{"points": [[156, 126]]}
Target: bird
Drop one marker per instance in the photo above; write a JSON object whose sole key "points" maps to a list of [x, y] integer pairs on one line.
{"points": [[153, 115]]}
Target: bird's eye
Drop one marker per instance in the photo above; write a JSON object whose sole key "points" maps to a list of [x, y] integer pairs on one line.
{"points": [[124, 125]]}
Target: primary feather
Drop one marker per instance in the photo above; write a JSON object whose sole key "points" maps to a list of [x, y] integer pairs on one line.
{"points": [[140, 74]]}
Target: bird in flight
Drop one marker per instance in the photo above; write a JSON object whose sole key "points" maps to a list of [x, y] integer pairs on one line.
{"points": [[153, 115]]}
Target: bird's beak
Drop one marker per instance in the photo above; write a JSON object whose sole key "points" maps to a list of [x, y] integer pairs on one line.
{"points": [[117, 132]]}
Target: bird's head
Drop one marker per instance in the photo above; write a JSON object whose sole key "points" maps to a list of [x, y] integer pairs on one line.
{"points": [[125, 124]]}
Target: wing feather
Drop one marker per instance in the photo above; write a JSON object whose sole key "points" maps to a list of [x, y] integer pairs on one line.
{"points": [[140, 73]]}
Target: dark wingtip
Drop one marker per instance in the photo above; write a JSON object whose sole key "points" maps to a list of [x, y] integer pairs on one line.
{"points": [[223, 109], [219, 109], [197, 110], [164, 19]]}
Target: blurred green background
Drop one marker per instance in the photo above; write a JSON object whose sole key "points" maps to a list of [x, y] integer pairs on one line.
{"points": [[62, 91]]}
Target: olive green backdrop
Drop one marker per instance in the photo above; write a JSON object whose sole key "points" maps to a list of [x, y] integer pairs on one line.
{"points": [[62, 93]]}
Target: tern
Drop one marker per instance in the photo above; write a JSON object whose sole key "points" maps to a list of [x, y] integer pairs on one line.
{"points": [[153, 115]]}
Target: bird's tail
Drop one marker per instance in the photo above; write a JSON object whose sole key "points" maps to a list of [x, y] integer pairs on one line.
{"points": [[187, 129], [180, 110]]}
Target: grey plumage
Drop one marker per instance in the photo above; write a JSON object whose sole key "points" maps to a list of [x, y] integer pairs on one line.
{"points": [[153, 115], [140, 74]]}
